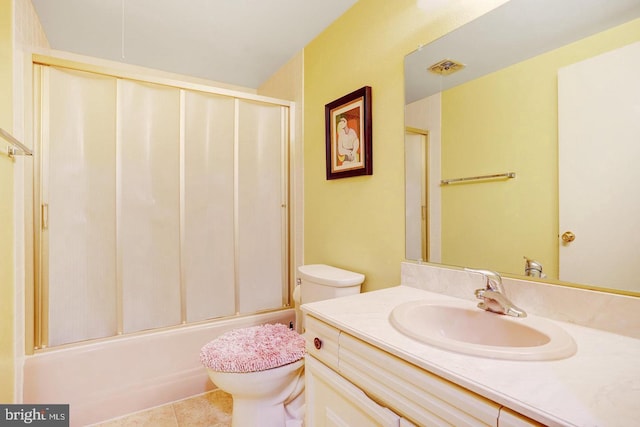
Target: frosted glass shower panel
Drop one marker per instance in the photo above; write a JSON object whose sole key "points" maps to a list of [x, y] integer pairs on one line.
{"points": [[161, 204], [208, 255], [261, 206], [79, 173], [149, 213]]}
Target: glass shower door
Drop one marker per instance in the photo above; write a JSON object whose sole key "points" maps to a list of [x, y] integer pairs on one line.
{"points": [[79, 197]]}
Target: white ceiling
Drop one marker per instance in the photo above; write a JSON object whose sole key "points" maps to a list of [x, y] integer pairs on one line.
{"points": [[240, 42]]}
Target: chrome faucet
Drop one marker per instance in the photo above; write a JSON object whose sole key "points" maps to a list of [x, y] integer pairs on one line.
{"points": [[493, 297], [533, 268]]}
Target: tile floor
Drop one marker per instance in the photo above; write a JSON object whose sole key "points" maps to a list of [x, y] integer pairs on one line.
{"points": [[212, 409]]}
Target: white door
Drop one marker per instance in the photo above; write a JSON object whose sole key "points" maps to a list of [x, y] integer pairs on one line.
{"points": [[599, 169], [415, 146]]}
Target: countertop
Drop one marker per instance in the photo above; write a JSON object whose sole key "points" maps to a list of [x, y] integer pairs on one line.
{"points": [[598, 386]]}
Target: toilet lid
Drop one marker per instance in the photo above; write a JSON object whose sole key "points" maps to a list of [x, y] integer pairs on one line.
{"points": [[252, 349]]}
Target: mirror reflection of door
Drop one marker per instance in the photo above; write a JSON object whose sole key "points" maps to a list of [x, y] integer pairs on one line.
{"points": [[415, 143], [599, 117]]}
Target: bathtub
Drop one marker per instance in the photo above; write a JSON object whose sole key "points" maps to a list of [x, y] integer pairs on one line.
{"points": [[117, 376]]}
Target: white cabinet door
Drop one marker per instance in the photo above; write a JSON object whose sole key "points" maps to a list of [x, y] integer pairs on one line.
{"points": [[406, 423], [509, 418], [412, 392], [334, 402]]}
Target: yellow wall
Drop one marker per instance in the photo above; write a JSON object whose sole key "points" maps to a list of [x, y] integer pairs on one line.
{"points": [[507, 121], [6, 206], [358, 223]]}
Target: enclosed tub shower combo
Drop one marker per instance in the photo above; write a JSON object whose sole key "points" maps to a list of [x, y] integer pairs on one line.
{"points": [[146, 192]]}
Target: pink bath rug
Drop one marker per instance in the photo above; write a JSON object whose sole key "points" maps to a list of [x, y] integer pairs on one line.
{"points": [[252, 349]]}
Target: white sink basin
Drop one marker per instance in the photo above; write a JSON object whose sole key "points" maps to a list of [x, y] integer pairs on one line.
{"points": [[464, 328]]}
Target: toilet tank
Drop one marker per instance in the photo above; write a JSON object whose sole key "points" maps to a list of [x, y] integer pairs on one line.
{"points": [[319, 282]]}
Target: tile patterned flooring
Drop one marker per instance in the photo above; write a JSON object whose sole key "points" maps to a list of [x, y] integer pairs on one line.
{"points": [[212, 409]]}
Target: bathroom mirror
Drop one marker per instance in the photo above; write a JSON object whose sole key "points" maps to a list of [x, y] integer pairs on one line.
{"points": [[504, 103]]}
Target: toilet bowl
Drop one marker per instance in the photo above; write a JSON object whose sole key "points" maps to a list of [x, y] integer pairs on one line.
{"points": [[262, 367], [271, 398]]}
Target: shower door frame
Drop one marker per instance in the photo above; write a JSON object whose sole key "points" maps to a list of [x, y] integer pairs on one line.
{"points": [[37, 300]]}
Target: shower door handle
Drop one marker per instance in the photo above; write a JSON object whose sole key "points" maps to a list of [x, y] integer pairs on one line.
{"points": [[44, 213]]}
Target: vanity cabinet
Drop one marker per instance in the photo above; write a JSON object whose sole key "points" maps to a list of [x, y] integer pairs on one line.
{"points": [[352, 383], [331, 399], [334, 401]]}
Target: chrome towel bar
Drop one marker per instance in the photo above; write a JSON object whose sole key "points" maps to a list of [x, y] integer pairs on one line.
{"points": [[507, 175], [16, 148]]}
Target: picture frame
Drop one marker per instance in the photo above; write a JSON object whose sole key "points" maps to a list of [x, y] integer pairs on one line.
{"points": [[348, 135]]}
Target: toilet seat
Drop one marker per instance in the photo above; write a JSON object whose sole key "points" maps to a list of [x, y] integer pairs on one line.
{"points": [[253, 349]]}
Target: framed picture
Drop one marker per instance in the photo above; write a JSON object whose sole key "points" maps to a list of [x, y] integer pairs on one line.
{"points": [[348, 135]]}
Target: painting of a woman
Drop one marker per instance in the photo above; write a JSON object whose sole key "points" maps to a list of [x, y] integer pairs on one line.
{"points": [[348, 134], [348, 143]]}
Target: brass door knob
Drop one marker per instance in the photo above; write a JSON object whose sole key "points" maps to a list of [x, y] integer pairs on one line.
{"points": [[568, 236]]}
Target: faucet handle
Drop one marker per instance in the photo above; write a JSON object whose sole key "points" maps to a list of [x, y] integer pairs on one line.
{"points": [[494, 281]]}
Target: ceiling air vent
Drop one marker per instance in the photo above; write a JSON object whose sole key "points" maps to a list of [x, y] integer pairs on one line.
{"points": [[446, 67]]}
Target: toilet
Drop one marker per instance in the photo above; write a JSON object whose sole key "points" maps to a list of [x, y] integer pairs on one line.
{"points": [[262, 367]]}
